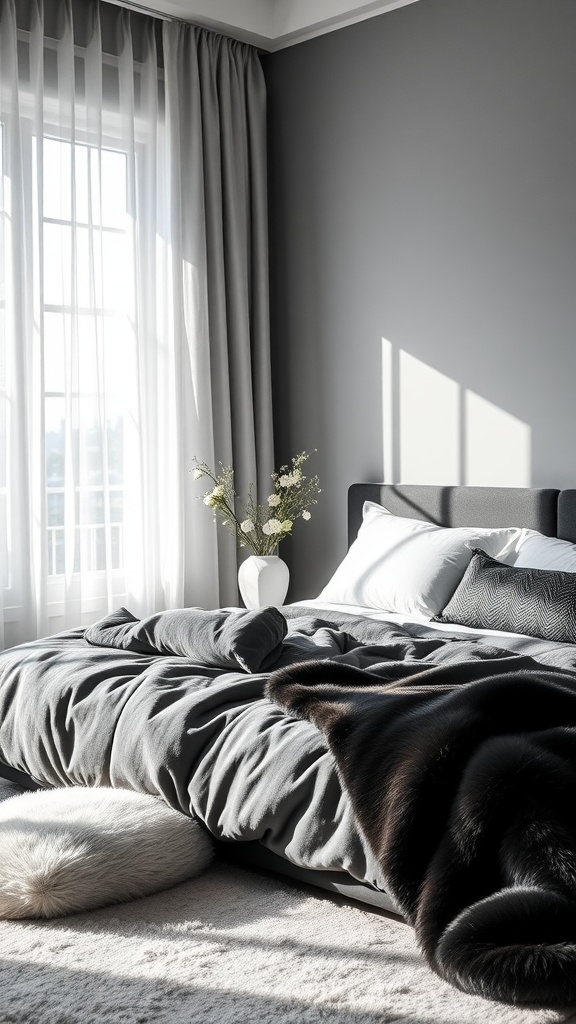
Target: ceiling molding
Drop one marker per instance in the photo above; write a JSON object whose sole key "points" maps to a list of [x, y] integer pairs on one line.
{"points": [[269, 24], [299, 20]]}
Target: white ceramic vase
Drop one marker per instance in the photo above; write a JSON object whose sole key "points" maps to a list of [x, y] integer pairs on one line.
{"points": [[263, 580]]}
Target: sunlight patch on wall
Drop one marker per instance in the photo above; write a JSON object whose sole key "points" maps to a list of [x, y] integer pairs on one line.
{"points": [[436, 432], [498, 445], [388, 410], [429, 414]]}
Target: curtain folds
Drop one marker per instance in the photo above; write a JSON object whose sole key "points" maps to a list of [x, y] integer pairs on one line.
{"points": [[133, 309]]}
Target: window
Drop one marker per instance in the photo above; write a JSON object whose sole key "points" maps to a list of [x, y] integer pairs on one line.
{"points": [[87, 313], [68, 334]]}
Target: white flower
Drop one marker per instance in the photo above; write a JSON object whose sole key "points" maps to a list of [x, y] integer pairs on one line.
{"points": [[272, 526], [274, 500], [290, 479], [306, 514], [198, 473], [247, 526], [211, 498], [287, 525]]}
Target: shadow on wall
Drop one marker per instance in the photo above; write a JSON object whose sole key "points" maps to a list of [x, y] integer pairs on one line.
{"points": [[435, 431]]}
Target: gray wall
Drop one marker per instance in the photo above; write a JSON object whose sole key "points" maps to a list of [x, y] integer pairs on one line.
{"points": [[423, 190]]}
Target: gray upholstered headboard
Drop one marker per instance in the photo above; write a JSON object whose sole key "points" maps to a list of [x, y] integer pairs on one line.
{"points": [[549, 511], [567, 515]]}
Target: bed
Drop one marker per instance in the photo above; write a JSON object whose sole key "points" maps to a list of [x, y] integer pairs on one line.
{"points": [[330, 740]]}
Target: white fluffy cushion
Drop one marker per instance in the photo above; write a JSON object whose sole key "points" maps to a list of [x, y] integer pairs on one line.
{"points": [[409, 566], [65, 850], [535, 551]]}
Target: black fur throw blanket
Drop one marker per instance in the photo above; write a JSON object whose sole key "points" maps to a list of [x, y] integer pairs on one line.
{"points": [[463, 779]]}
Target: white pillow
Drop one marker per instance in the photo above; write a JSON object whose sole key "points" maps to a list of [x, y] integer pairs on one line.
{"points": [[409, 566], [535, 551]]}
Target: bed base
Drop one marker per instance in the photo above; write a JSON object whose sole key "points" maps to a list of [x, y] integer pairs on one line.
{"points": [[338, 883]]}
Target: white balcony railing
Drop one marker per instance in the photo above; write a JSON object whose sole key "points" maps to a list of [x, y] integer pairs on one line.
{"points": [[90, 554]]}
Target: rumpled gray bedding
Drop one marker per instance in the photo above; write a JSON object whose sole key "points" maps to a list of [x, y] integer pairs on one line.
{"points": [[203, 737], [218, 639], [206, 738]]}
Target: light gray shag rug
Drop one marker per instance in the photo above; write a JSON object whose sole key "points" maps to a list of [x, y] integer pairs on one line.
{"points": [[230, 947]]}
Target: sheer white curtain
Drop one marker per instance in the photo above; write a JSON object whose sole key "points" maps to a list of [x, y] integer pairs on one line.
{"points": [[133, 330]]}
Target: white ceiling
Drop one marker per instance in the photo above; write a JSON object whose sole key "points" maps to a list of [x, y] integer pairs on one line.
{"points": [[269, 24]]}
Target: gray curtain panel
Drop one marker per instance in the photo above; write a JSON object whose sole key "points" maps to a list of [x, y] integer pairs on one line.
{"points": [[216, 109]]}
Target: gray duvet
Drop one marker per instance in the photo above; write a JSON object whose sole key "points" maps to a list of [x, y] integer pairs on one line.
{"points": [[114, 707]]}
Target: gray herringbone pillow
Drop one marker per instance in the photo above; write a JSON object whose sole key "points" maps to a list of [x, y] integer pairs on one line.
{"points": [[492, 595]]}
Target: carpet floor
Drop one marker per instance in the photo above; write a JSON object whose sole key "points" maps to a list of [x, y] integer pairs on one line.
{"points": [[229, 947], [232, 946]]}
